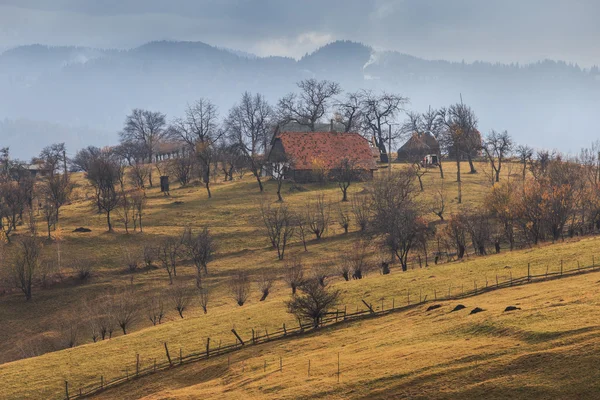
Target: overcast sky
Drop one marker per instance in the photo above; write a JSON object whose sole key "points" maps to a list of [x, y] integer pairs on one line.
{"points": [[491, 30]]}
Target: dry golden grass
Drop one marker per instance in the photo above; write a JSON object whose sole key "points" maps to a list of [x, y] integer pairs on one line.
{"points": [[232, 215], [549, 349]]}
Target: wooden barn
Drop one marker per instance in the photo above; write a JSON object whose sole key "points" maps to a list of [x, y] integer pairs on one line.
{"points": [[305, 155], [418, 147]]}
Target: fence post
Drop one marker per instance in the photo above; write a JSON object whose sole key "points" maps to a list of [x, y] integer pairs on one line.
{"points": [[510, 278], [338, 371], [127, 373], [168, 356], [561, 267], [393, 301], [137, 364], [280, 364], [497, 284], [180, 357], [434, 295], [155, 365], [67, 389], [381, 304], [408, 296], [237, 336], [309, 367], [345, 312], [253, 337], [265, 366], [528, 272], [284, 330], [101, 381], [207, 347]]}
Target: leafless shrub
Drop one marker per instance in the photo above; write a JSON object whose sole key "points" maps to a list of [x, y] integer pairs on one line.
{"points": [[265, 283], [69, 333], [294, 273], [132, 259], [358, 259], [239, 287], [344, 268], [321, 272], [182, 168], [139, 174], [360, 207], [180, 297], [343, 218], [150, 255], [82, 269]]}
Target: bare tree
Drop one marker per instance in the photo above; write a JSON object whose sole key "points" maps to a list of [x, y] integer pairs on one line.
{"points": [[279, 226], [379, 113], [84, 158], [155, 309], [69, 333], [348, 111], [200, 130], [294, 273], [148, 128], [265, 283], [438, 204], [139, 200], [203, 295], [168, 255], [313, 303], [497, 147], [182, 168], [361, 210], [396, 216], [310, 105], [105, 175], [138, 175], [344, 173], [248, 125], [180, 297], [460, 135], [239, 287], [200, 247], [317, 215], [26, 263], [125, 308], [149, 254], [525, 154]]}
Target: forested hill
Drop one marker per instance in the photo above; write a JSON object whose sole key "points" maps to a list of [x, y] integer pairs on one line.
{"points": [[81, 95]]}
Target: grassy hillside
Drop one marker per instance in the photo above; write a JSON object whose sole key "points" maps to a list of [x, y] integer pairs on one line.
{"points": [[233, 216], [548, 349]]}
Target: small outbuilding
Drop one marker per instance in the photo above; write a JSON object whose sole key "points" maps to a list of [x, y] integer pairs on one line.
{"points": [[418, 147]]}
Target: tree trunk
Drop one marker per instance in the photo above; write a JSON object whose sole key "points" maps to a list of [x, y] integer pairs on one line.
{"points": [[208, 189], [471, 165], [110, 229], [458, 180]]}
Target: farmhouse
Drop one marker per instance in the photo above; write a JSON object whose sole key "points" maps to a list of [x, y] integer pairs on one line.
{"points": [[418, 147], [303, 156]]}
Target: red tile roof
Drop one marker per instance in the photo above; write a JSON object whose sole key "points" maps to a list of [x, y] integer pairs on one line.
{"points": [[327, 148]]}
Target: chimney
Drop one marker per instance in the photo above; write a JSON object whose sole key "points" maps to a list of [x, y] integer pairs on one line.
{"points": [[331, 126]]}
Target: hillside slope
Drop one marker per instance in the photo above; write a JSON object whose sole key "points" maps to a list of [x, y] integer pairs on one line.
{"points": [[549, 349]]}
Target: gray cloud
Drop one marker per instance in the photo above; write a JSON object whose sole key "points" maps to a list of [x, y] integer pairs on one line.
{"points": [[494, 30]]}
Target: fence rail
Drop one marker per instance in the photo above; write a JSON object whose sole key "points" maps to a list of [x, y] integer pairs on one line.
{"points": [[331, 319]]}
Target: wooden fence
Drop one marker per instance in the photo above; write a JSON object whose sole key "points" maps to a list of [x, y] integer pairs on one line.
{"points": [[334, 318]]}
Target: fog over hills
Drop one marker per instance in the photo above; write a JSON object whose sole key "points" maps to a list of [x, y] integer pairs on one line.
{"points": [[82, 95]]}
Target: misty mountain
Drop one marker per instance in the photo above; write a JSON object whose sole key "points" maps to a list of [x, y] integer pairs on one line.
{"points": [[82, 95]]}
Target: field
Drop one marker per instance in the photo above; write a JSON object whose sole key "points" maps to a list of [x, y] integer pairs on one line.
{"points": [[436, 345]]}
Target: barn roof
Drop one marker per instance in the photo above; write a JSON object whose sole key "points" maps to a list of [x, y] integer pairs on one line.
{"points": [[328, 148]]}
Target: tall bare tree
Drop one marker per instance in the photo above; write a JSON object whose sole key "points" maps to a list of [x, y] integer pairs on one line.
{"points": [[379, 112], [459, 124], [497, 146], [200, 130], [26, 264], [148, 128], [279, 226], [249, 124], [310, 105], [348, 111]]}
